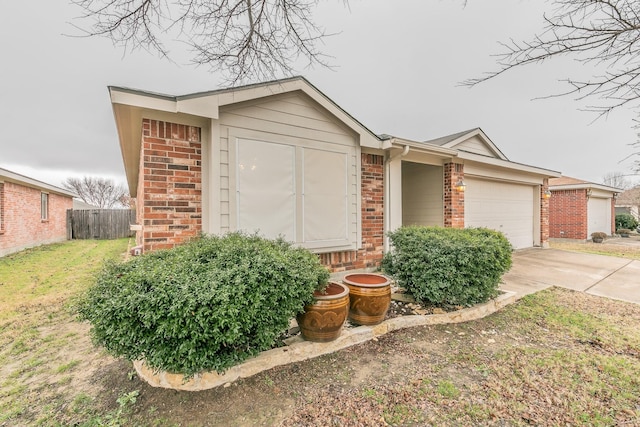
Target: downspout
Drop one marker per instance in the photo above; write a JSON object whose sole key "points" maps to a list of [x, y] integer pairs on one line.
{"points": [[387, 192]]}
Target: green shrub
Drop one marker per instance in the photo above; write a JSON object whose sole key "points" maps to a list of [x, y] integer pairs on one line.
{"points": [[626, 221], [447, 265], [206, 305]]}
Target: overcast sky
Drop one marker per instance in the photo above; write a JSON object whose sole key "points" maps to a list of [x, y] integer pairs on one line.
{"points": [[398, 69]]}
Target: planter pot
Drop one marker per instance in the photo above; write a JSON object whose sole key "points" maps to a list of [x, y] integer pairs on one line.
{"points": [[370, 296], [597, 240], [624, 234], [323, 320]]}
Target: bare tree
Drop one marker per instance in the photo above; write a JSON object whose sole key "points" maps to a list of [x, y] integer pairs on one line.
{"points": [[602, 32], [246, 40], [99, 192], [616, 180]]}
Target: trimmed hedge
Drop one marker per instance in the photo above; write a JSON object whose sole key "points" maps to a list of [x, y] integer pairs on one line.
{"points": [[448, 266], [206, 305]]}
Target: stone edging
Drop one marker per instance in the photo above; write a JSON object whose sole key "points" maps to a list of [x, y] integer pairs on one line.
{"points": [[298, 349]]}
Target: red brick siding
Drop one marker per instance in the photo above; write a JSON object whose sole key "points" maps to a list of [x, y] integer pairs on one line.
{"points": [[1, 207], [568, 214], [544, 214], [613, 215], [169, 202], [453, 199], [22, 226], [372, 215]]}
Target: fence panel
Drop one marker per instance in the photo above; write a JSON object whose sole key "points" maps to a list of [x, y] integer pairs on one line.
{"points": [[100, 223]]}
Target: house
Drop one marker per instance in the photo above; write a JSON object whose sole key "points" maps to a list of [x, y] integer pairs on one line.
{"points": [[578, 208], [32, 212], [628, 202], [283, 159]]}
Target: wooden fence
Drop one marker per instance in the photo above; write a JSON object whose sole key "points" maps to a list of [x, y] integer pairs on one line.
{"points": [[100, 223]]}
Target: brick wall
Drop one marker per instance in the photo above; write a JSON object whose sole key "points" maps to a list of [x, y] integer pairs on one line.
{"points": [[169, 202], [568, 214], [613, 215], [544, 214], [22, 226], [453, 199], [372, 214]]}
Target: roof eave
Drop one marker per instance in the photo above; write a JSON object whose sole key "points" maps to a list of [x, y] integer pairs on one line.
{"points": [[9, 176], [507, 164]]}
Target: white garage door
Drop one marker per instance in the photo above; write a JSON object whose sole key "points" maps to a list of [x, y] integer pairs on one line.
{"points": [[500, 206], [598, 215]]}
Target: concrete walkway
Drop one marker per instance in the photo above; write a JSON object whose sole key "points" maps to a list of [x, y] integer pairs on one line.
{"points": [[537, 269]]}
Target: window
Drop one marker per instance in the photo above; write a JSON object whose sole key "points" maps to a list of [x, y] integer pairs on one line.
{"points": [[307, 195], [44, 206]]}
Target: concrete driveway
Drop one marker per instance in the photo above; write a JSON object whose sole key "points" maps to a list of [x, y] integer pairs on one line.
{"points": [[537, 269]]}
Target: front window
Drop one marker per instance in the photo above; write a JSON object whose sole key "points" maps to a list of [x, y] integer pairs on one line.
{"points": [[44, 206], [301, 193]]}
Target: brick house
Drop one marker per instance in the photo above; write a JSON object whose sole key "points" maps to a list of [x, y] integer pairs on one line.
{"points": [[32, 213], [282, 158], [628, 202], [578, 208]]}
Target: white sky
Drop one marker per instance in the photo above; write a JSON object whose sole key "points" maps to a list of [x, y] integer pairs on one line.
{"points": [[398, 69]]}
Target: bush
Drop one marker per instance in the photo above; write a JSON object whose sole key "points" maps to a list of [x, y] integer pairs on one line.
{"points": [[205, 305], [626, 221], [448, 266]]}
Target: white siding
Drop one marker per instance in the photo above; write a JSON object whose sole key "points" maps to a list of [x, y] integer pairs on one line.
{"points": [[422, 194], [475, 145], [501, 206], [295, 120]]}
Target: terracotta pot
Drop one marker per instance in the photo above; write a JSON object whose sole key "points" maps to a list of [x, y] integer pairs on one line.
{"points": [[370, 296], [323, 320]]}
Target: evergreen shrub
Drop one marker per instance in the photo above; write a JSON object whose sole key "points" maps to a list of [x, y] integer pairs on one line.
{"points": [[205, 305], [626, 221], [448, 266]]}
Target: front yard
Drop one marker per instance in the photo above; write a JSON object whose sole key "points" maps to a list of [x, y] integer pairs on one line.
{"points": [[555, 358]]}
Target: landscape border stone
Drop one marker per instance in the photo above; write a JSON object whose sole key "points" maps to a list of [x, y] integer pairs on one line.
{"points": [[297, 349]]}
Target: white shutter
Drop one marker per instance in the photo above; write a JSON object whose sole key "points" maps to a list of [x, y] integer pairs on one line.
{"points": [[325, 200], [266, 188]]}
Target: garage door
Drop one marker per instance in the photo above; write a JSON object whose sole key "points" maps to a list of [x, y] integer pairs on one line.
{"points": [[500, 206], [598, 215]]}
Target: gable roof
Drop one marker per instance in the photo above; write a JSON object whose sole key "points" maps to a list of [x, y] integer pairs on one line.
{"points": [[129, 104], [457, 140], [570, 183], [9, 176]]}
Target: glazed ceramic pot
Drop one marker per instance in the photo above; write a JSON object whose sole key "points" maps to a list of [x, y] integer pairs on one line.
{"points": [[370, 296], [323, 320]]}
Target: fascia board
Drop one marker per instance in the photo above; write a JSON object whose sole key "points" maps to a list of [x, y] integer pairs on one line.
{"points": [[400, 143], [585, 186], [508, 164]]}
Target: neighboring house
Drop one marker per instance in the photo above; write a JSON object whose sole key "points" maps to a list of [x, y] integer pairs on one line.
{"points": [[79, 205], [32, 212], [629, 202], [283, 159], [578, 208]]}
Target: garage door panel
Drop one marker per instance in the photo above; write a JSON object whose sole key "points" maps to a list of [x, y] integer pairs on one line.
{"points": [[598, 215], [504, 207]]}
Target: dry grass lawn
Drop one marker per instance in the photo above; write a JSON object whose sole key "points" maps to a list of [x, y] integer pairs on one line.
{"points": [[554, 358]]}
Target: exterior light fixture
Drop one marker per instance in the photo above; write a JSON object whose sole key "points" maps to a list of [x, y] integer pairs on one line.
{"points": [[460, 185], [546, 194], [588, 192]]}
